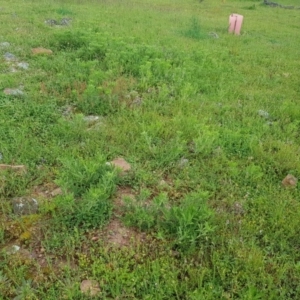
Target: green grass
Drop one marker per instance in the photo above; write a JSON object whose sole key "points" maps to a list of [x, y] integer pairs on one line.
{"points": [[209, 218]]}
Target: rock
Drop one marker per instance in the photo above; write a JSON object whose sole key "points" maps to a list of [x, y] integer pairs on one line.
{"points": [[214, 35], [25, 206], [13, 70], [56, 192], [90, 287], [17, 168], [51, 22], [13, 92], [13, 249], [9, 57], [263, 114], [183, 162], [290, 181], [91, 119], [65, 21], [4, 45], [137, 101], [121, 163], [41, 50], [23, 65]]}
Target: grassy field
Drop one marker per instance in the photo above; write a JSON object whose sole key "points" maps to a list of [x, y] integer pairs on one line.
{"points": [[208, 121]]}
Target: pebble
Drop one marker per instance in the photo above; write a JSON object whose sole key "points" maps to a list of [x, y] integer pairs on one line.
{"points": [[263, 114], [91, 119], [17, 168], [9, 56], [13, 92], [183, 162], [25, 206], [289, 181], [13, 249], [23, 65], [4, 45], [41, 50]]}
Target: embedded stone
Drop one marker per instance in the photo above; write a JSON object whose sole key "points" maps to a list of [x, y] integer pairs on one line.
{"points": [[41, 50], [290, 181]]}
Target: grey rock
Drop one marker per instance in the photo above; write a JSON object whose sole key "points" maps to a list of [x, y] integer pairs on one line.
{"points": [[263, 114], [25, 206], [183, 162], [13, 70], [23, 65], [214, 35], [51, 22], [91, 119], [4, 45], [9, 57], [13, 92], [65, 21], [13, 249]]}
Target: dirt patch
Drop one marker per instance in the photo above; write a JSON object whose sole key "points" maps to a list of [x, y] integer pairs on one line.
{"points": [[116, 234]]}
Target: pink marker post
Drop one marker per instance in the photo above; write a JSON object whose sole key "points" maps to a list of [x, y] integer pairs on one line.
{"points": [[235, 23]]}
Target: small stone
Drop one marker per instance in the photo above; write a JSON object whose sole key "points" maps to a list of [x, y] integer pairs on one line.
{"points": [[90, 287], [13, 70], [17, 168], [214, 35], [14, 249], [42, 250], [41, 50], [289, 181], [137, 101], [183, 163], [9, 57], [51, 22], [56, 192], [91, 119], [122, 164], [23, 65], [65, 21], [13, 92], [263, 114], [4, 45], [25, 206]]}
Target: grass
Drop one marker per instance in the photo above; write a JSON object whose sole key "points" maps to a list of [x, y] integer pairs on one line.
{"points": [[209, 125]]}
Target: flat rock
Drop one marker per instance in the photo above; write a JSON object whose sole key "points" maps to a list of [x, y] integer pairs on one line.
{"points": [[51, 22], [65, 21], [41, 50], [25, 206], [121, 164], [263, 114], [13, 92], [90, 287], [4, 45], [17, 168], [91, 119], [183, 162], [290, 181], [23, 65], [9, 57]]}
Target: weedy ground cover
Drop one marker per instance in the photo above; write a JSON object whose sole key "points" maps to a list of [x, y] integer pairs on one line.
{"points": [[208, 121]]}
